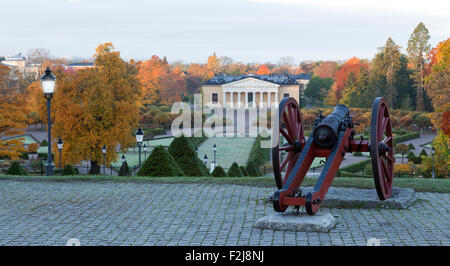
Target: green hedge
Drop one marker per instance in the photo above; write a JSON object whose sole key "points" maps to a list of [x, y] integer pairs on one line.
{"points": [[69, 170], [353, 168], [408, 136], [258, 156]]}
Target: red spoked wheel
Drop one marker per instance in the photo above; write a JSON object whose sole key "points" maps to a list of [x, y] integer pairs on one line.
{"points": [[382, 148], [290, 140]]}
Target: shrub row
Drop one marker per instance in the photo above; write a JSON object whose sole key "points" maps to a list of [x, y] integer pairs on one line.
{"points": [[258, 156], [353, 168], [408, 136]]}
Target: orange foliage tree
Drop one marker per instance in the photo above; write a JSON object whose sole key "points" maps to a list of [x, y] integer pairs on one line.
{"points": [[351, 68], [326, 69], [12, 116], [263, 70], [96, 107]]}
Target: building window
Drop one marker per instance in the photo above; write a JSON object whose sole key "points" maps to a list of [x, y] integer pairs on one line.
{"points": [[250, 97], [215, 98], [286, 95]]}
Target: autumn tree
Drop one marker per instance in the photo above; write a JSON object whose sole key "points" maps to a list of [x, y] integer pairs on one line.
{"points": [[418, 47], [263, 70], [437, 83], [12, 116], [326, 69], [341, 76], [212, 65], [96, 107]]}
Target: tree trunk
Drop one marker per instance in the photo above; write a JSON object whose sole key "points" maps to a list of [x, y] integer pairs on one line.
{"points": [[95, 168]]}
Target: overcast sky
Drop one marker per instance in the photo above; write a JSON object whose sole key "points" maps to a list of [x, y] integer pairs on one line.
{"points": [[245, 30]]}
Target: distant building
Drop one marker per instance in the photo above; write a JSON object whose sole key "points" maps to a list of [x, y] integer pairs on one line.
{"points": [[16, 61], [251, 91], [79, 65]]}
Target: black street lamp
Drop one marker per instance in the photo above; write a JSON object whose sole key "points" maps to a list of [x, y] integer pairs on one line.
{"points": [[48, 86], [214, 149], [432, 153], [205, 159], [104, 159], [145, 152], [60, 143], [139, 137]]}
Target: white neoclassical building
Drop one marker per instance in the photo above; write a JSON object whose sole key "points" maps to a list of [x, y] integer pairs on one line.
{"points": [[251, 91]]}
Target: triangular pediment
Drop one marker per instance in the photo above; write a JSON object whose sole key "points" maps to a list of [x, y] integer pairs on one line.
{"points": [[250, 82]]}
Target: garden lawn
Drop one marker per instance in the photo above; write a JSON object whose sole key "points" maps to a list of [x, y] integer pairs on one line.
{"points": [[418, 184], [229, 150]]}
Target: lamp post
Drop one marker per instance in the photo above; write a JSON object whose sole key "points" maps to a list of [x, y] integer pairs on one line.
{"points": [[123, 162], [432, 156], [145, 152], [214, 149], [104, 159], [205, 159], [60, 143], [139, 137], [48, 85]]}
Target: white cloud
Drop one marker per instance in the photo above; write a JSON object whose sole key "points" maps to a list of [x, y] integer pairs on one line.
{"points": [[414, 7]]}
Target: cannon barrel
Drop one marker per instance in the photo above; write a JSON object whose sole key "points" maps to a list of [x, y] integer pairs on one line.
{"points": [[325, 134]]}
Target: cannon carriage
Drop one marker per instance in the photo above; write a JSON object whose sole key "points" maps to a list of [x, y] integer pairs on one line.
{"points": [[332, 137]]}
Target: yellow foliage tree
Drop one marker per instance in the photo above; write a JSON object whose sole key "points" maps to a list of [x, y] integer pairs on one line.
{"points": [[12, 116], [96, 107]]}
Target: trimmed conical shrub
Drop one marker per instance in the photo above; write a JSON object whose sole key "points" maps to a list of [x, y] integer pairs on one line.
{"points": [[423, 153], [160, 163], [219, 172], [411, 146], [16, 169], [251, 169], [410, 154], [185, 155], [243, 170], [235, 170], [69, 170], [124, 169]]}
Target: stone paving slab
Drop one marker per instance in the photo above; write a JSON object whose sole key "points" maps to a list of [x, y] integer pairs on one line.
{"points": [[295, 221], [132, 213], [401, 198]]}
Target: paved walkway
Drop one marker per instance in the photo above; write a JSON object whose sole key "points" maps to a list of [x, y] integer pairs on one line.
{"points": [[114, 213]]}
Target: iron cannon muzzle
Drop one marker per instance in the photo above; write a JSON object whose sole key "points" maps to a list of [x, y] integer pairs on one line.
{"points": [[326, 133]]}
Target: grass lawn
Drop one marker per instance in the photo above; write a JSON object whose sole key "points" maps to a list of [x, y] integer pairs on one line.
{"points": [[229, 150], [419, 185]]}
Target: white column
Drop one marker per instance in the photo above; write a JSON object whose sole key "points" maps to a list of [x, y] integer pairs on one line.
{"points": [[231, 100], [246, 100], [268, 100], [261, 99], [276, 98], [224, 99], [254, 99], [239, 99]]}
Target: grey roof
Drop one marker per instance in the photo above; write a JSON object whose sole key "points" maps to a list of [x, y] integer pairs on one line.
{"points": [[273, 78], [300, 76]]}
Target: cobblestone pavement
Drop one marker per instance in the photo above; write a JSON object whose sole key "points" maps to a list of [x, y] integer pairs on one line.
{"points": [[117, 213]]}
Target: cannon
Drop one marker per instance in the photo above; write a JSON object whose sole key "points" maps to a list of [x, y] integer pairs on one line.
{"points": [[332, 137]]}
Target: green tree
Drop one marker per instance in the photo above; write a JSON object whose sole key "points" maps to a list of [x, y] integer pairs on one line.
{"points": [[418, 47], [318, 88]]}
